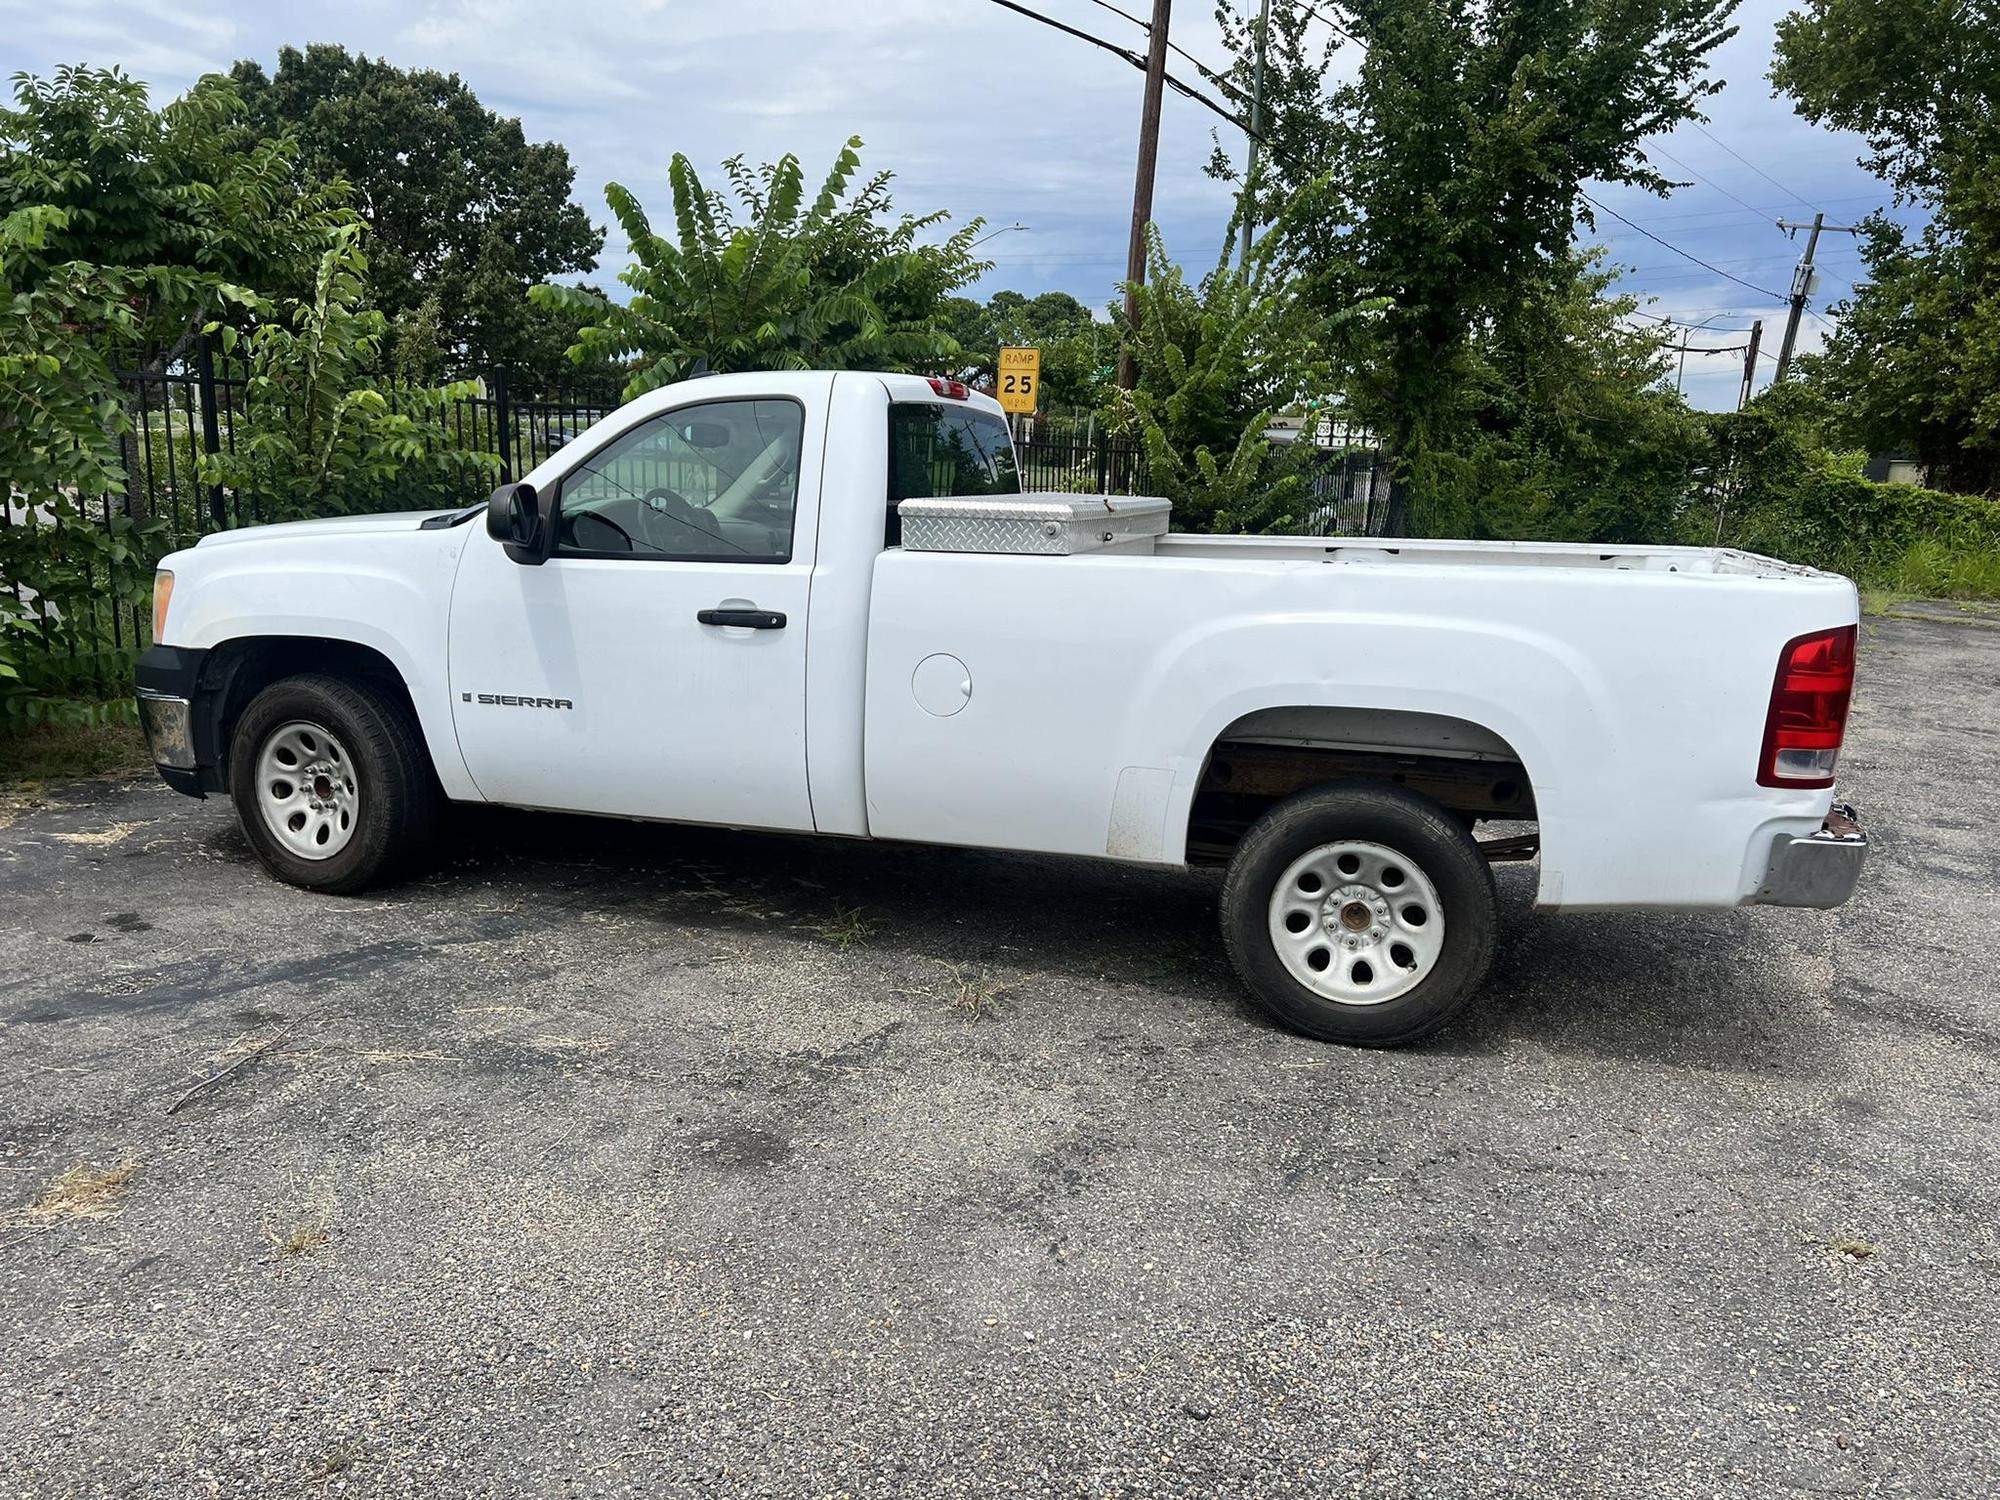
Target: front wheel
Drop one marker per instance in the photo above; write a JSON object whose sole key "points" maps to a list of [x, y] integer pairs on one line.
{"points": [[332, 783], [1360, 913]]}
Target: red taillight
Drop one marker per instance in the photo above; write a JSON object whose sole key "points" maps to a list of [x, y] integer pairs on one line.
{"points": [[955, 389], [1808, 713]]}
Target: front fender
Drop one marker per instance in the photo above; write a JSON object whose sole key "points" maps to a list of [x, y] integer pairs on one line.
{"points": [[389, 594]]}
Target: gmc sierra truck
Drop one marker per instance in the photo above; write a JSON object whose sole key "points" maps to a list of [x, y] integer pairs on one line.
{"points": [[819, 603]]}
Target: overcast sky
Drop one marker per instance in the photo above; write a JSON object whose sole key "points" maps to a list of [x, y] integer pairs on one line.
{"points": [[977, 111]]}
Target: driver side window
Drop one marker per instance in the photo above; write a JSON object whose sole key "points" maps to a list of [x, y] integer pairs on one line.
{"points": [[715, 482]]}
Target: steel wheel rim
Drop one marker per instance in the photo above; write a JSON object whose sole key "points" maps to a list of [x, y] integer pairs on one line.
{"points": [[308, 793], [1357, 922]]}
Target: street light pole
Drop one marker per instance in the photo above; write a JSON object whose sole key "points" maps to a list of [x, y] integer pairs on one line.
{"points": [[1681, 373], [1004, 229]]}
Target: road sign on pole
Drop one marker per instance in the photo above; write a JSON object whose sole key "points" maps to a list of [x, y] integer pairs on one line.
{"points": [[1020, 380]]}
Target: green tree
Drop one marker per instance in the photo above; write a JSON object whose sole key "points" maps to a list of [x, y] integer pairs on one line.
{"points": [[189, 187], [60, 425], [834, 284], [1216, 361], [1078, 349], [123, 232], [1452, 159], [1579, 437], [1915, 358], [319, 436], [462, 208]]}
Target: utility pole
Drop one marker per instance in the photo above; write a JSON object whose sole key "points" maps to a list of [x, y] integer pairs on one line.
{"points": [[1804, 280], [1750, 364], [1142, 188], [1256, 130]]}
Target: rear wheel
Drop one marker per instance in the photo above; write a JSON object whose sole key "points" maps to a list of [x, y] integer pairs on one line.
{"points": [[332, 783], [1360, 913]]}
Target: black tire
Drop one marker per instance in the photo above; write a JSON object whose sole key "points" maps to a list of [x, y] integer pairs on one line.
{"points": [[395, 821], [1412, 827]]}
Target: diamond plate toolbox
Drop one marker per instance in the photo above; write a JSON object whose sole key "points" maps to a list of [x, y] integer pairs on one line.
{"points": [[1049, 525]]}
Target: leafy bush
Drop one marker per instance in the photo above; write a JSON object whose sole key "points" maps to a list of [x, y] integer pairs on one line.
{"points": [[830, 285], [66, 555], [1775, 487], [1216, 361], [318, 436]]}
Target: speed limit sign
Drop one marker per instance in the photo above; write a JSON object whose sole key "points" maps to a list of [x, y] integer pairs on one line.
{"points": [[1020, 379]]}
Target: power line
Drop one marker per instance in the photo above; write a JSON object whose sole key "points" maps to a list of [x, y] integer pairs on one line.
{"points": [[1131, 57], [1335, 27], [1683, 254], [1751, 164], [1213, 77], [1706, 182]]}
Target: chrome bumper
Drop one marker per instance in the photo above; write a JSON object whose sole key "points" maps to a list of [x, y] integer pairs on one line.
{"points": [[169, 729], [1820, 870]]}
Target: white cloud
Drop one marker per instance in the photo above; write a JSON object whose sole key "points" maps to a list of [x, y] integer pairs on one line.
{"points": [[977, 110]]}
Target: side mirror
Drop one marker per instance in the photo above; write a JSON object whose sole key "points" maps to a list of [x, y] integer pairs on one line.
{"points": [[516, 517]]}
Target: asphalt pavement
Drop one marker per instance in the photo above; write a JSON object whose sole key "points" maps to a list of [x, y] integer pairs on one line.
{"points": [[619, 1160]]}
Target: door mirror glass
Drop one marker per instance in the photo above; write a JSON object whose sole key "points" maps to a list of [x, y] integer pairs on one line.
{"points": [[514, 517]]}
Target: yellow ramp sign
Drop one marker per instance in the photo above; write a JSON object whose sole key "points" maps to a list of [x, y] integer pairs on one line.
{"points": [[1020, 379]]}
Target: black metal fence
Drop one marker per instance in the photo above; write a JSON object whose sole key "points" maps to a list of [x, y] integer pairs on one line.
{"points": [[197, 407], [1075, 455], [1349, 484]]}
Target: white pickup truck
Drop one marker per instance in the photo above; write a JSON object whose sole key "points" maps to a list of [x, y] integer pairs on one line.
{"points": [[703, 610]]}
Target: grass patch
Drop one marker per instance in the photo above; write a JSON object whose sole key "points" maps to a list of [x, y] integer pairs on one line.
{"points": [[302, 1238], [976, 993], [335, 1463], [846, 928], [72, 752], [85, 1191], [1930, 569]]}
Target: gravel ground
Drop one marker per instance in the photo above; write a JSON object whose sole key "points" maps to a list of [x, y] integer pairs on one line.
{"points": [[665, 1162]]}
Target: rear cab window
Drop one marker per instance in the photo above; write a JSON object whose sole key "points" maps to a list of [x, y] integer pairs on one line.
{"points": [[939, 451]]}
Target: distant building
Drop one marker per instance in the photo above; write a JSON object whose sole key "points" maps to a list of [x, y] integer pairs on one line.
{"points": [[1895, 468]]}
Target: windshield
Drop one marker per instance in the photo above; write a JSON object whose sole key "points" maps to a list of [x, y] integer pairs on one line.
{"points": [[938, 451]]}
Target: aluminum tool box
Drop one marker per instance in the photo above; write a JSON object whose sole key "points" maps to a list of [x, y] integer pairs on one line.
{"points": [[1050, 525]]}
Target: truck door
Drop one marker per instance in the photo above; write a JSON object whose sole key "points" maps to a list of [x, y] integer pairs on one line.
{"points": [[655, 665]]}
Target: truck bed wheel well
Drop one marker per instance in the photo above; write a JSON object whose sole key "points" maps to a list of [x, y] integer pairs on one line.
{"points": [[1268, 756], [236, 671]]}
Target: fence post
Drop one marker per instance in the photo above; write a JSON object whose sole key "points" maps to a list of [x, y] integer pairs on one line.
{"points": [[503, 422], [211, 427]]}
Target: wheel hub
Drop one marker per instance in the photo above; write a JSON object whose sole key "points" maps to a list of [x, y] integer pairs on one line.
{"points": [[307, 795], [1357, 915], [1356, 922]]}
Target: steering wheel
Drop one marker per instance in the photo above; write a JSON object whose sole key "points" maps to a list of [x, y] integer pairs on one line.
{"points": [[683, 512], [669, 502]]}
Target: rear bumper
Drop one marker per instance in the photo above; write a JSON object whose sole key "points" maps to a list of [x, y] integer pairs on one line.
{"points": [[1820, 870]]}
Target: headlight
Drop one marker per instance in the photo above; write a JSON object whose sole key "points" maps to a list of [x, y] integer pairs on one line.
{"points": [[163, 593]]}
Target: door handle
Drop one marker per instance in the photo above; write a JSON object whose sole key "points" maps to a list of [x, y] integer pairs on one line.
{"points": [[743, 619]]}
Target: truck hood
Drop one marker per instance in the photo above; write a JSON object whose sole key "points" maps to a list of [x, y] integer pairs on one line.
{"points": [[346, 526]]}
